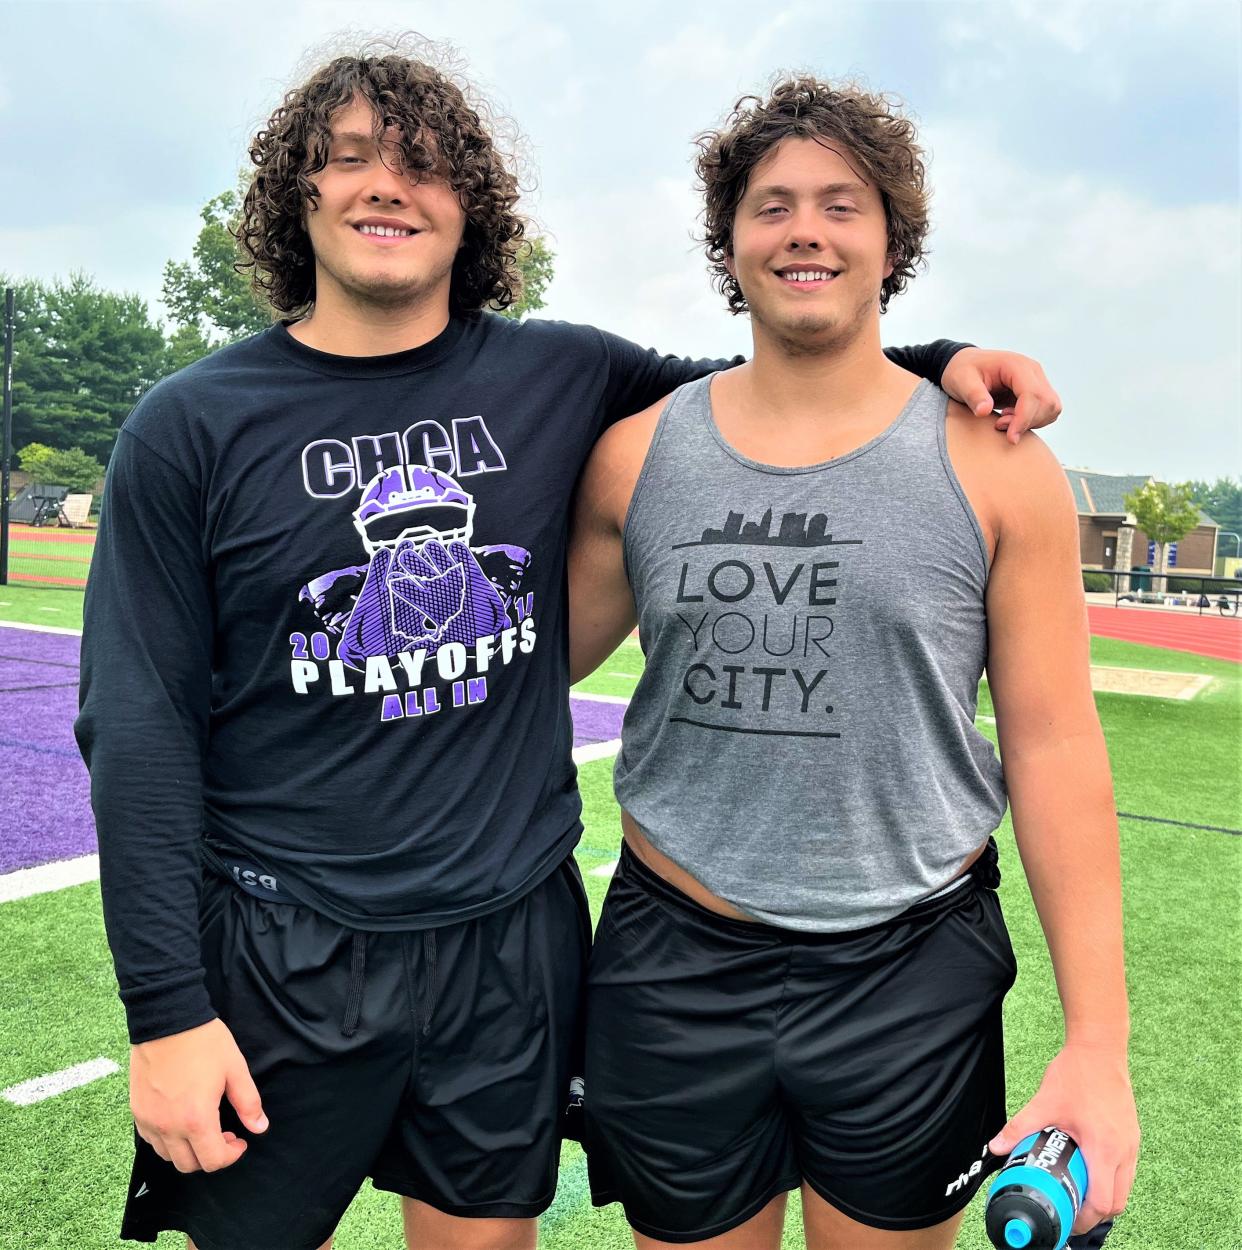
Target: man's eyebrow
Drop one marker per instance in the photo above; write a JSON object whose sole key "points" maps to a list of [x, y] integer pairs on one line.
{"points": [[833, 188]]}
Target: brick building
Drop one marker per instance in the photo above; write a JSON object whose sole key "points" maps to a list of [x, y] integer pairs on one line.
{"points": [[1109, 539]]}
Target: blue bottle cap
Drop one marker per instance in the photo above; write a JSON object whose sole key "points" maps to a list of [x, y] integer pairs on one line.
{"points": [[1017, 1234]]}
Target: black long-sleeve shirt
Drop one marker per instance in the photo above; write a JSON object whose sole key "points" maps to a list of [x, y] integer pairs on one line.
{"points": [[326, 626]]}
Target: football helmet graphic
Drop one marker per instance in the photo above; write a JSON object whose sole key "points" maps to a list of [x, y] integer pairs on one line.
{"points": [[410, 501]]}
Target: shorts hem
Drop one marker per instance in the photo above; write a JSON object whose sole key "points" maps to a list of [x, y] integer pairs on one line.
{"points": [[604, 1197], [172, 1222], [470, 1210], [898, 1223]]}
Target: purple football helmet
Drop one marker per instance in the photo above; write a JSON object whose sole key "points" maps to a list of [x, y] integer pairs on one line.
{"points": [[415, 502]]}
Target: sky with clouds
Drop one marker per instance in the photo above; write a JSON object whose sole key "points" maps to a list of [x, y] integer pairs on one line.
{"points": [[1085, 161]]}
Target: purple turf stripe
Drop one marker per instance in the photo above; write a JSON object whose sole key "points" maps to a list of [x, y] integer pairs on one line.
{"points": [[45, 811], [596, 722]]}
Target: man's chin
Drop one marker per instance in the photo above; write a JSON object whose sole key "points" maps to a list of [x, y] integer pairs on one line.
{"points": [[808, 334], [389, 291]]}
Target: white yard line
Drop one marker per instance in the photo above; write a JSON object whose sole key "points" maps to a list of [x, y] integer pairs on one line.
{"points": [[63, 873], [600, 698], [596, 751], [41, 629], [605, 870], [29, 1092], [48, 877]]}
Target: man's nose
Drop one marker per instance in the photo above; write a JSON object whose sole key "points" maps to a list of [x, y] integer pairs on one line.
{"points": [[806, 232], [386, 186]]}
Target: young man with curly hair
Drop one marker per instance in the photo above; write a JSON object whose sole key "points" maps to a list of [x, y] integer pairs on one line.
{"points": [[324, 696], [798, 973]]}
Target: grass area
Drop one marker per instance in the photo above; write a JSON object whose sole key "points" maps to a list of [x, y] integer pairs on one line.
{"points": [[63, 1187], [41, 605]]}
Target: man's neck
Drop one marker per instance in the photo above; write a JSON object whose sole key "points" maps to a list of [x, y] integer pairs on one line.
{"points": [[825, 386], [348, 327]]}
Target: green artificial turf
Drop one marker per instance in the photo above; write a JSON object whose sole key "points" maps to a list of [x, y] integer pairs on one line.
{"points": [[65, 1161], [41, 605]]}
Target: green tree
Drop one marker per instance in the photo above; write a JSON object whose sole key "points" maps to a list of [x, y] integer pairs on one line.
{"points": [[1222, 501], [1166, 514], [81, 358], [72, 468], [535, 261], [185, 345], [207, 294]]}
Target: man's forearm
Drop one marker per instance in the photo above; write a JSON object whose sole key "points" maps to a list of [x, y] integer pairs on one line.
{"points": [[1066, 829]]}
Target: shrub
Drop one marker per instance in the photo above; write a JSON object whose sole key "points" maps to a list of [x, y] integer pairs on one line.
{"points": [[48, 466]]}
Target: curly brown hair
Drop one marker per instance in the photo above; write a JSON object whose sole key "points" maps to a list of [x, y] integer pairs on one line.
{"points": [[877, 135], [443, 132]]}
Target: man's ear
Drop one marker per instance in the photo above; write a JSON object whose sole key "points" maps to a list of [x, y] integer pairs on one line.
{"points": [[729, 264], [889, 266]]}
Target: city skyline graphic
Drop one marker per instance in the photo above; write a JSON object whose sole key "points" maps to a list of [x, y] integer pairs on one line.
{"points": [[795, 530]]}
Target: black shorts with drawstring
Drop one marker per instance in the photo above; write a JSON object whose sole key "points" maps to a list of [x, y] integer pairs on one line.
{"points": [[730, 1061], [436, 1062]]}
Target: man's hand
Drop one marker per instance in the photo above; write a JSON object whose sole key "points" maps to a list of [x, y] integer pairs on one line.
{"points": [[1086, 1091], [987, 381], [175, 1087]]}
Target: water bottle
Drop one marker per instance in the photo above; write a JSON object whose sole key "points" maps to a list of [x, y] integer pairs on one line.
{"points": [[1036, 1197]]}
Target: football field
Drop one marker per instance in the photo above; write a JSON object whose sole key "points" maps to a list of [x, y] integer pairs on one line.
{"points": [[64, 1135]]}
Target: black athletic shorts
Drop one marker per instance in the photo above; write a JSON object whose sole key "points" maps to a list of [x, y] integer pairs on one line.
{"points": [[730, 1061], [436, 1062]]}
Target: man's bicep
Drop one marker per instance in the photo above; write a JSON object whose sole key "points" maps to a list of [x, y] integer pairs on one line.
{"points": [[1038, 642]]}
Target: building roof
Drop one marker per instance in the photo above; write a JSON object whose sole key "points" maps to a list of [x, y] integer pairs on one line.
{"points": [[1103, 494]]}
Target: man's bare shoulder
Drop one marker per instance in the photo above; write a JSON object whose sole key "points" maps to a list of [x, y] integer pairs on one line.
{"points": [[1020, 485], [632, 435], [616, 461]]}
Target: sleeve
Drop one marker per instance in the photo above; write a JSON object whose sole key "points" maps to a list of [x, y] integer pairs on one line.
{"points": [[142, 730], [928, 360], [639, 377]]}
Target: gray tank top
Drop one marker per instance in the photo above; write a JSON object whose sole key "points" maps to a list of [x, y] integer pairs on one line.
{"points": [[802, 740]]}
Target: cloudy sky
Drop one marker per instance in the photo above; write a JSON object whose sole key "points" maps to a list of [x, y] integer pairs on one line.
{"points": [[1084, 158]]}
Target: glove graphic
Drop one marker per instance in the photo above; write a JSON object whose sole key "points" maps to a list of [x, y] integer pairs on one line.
{"points": [[447, 591], [421, 597]]}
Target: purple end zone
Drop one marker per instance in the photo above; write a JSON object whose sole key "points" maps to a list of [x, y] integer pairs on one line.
{"points": [[595, 722], [45, 809]]}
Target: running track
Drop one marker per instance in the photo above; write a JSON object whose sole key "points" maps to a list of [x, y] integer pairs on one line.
{"points": [[1215, 636]]}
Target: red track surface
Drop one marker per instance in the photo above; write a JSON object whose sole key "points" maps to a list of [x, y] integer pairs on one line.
{"points": [[49, 534], [47, 581], [1215, 636]]}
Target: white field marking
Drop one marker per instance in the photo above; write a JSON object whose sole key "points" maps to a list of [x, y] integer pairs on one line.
{"points": [[596, 751], [60, 875], [48, 877], [617, 673], [41, 1087], [599, 698], [991, 720], [41, 629], [605, 870], [51, 609]]}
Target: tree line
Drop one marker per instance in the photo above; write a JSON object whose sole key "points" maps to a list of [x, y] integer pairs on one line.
{"points": [[83, 355]]}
